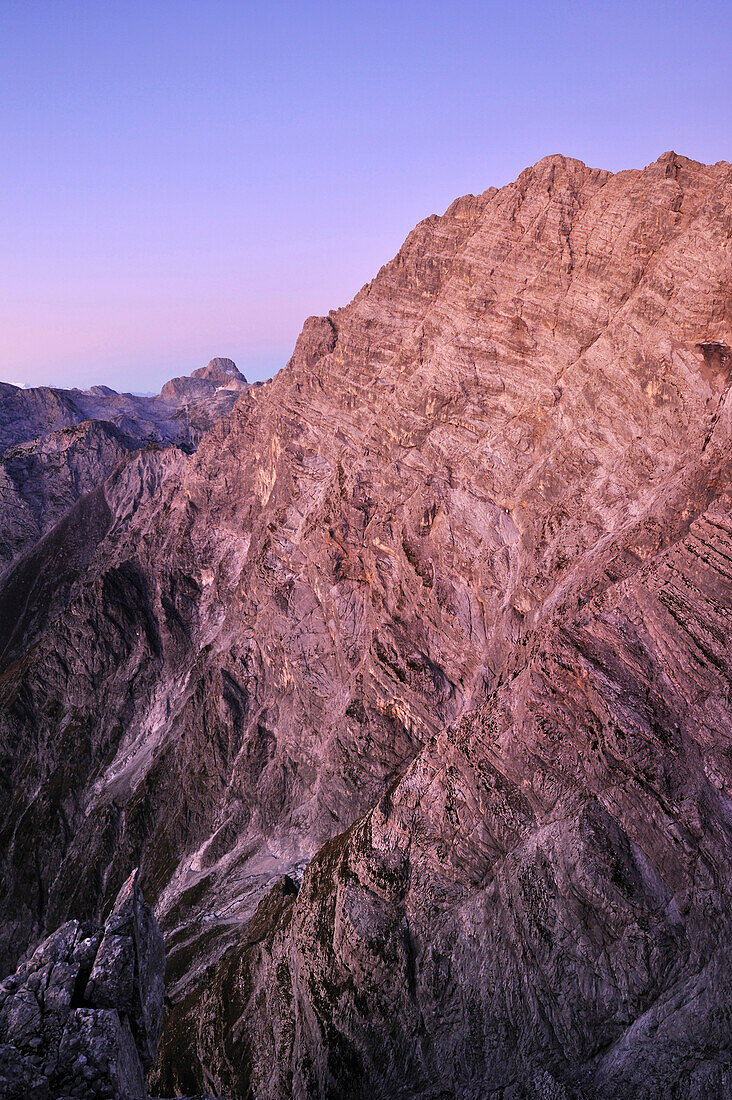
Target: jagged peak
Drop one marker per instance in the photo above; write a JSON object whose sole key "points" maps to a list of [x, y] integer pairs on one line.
{"points": [[219, 369]]}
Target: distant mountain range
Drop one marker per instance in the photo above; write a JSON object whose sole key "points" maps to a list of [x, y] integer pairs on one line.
{"points": [[57, 445]]}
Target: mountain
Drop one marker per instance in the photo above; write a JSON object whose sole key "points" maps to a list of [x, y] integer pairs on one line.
{"points": [[409, 689]]}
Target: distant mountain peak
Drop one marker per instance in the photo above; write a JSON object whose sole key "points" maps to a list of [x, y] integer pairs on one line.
{"points": [[219, 370], [218, 374]]}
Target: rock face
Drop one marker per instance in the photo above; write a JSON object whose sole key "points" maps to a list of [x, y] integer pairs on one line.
{"points": [[410, 689], [81, 1016], [218, 376]]}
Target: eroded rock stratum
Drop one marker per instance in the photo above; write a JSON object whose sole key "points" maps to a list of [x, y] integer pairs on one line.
{"points": [[408, 691]]}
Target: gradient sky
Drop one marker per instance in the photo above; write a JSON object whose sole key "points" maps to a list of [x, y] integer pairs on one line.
{"points": [[187, 179]]}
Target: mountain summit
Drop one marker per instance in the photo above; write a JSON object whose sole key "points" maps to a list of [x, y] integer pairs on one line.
{"points": [[223, 371]]}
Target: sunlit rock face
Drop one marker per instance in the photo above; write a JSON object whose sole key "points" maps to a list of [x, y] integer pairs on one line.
{"points": [[409, 689]]}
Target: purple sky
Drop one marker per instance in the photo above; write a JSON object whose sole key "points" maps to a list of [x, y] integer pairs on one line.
{"points": [[188, 179]]}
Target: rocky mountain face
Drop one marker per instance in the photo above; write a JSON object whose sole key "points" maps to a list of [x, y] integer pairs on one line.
{"points": [[409, 690], [57, 445]]}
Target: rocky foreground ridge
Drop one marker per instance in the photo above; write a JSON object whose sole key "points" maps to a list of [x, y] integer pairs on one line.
{"points": [[81, 1015], [409, 690]]}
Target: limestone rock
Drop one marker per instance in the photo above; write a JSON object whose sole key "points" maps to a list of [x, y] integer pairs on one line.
{"points": [[57, 445], [222, 372], [129, 968], [219, 375]]}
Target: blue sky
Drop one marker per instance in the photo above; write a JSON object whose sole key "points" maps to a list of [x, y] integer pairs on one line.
{"points": [[187, 179]]}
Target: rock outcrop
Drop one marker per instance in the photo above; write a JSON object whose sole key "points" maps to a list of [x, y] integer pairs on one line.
{"points": [[409, 690], [81, 1016], [219, 375]]}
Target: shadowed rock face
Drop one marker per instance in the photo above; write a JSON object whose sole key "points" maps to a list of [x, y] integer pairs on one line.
{"points": [[81, 1016], [409, 690]]}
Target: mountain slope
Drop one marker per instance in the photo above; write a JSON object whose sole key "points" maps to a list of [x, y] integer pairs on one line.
{"points": [[436, 625]]}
